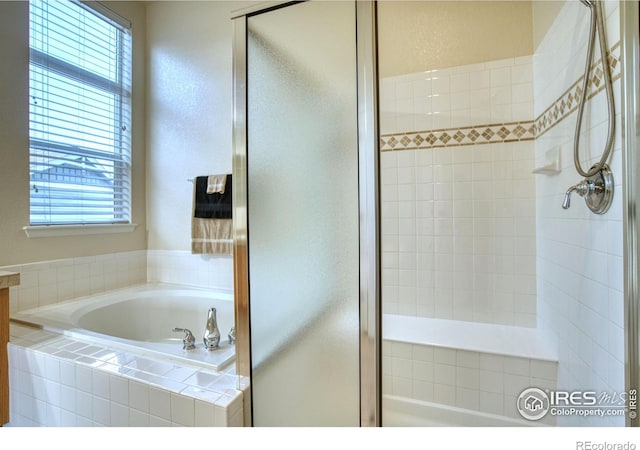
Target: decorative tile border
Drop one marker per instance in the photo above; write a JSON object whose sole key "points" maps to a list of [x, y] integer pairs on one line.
{"points": [[456, 137], [507, 132], [569, 100]]}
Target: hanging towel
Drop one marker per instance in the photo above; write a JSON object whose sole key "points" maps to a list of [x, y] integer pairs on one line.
{"points": [[211, 224], [212, 206], [216, 184], [212, 236]]}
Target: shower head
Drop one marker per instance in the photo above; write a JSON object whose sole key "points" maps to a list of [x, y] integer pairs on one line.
{"points": [[588, 3]]}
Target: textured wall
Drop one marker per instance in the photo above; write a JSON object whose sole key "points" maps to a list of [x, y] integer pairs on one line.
{"points": [[424, 35]]}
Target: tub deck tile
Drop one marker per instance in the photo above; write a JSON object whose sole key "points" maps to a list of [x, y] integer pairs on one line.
{"points": [[63, 354], [202, 378], [181, 374], [202, 394], [90, 350], [114, 357], [190, 383], [150, 366], [88, 361], [156, 380]]}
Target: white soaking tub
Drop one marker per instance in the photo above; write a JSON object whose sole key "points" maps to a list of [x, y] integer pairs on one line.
{"points": [[142, 318]]}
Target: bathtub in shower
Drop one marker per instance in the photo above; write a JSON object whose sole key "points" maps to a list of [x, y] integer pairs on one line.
{"points": [[405, 412], [475, 370], [141, 319]]}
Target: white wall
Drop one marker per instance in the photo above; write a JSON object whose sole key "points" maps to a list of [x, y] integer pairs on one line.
{"points": [[189, 104], [189, 111], [580, 255]]}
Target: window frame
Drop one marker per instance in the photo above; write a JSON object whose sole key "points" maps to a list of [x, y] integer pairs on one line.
{"points": [[121, 151]]}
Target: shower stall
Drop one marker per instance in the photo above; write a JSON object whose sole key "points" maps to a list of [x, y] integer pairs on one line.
{"points": [[411, 243]]}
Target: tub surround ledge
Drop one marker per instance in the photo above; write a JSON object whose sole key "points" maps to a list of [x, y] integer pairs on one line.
{"points": [[59, 380], [9, 279]]}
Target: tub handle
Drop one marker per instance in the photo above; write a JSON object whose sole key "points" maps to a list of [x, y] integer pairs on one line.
{"points": [[189, 341]]}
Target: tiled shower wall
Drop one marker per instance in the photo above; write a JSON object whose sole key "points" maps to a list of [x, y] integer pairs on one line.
{"points": [[458, 195], [436, 249], [580, 254]]}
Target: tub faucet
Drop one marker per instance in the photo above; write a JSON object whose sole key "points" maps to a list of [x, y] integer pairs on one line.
{"points": [[189, 340], [211, 336]]}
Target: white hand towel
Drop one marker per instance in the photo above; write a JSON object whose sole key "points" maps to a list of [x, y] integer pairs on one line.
{"points": [[216, 183]]}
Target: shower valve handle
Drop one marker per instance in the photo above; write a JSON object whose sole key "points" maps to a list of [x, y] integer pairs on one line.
{"points": [[583, 188], [597, 191]]}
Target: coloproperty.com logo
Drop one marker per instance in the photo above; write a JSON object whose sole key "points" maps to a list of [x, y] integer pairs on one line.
{"points": [[534, 403]]}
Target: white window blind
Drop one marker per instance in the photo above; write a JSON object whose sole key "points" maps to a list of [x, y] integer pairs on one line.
{"points": [[79, 114]]}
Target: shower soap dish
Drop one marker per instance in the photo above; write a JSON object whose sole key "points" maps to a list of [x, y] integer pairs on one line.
{"points": [[552, 166]]}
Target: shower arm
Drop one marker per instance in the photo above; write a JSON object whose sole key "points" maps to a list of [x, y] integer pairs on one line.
{"points": [[597, 25]]}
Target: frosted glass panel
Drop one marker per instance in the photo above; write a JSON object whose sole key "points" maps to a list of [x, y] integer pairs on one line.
{"points": [[303, 215]]}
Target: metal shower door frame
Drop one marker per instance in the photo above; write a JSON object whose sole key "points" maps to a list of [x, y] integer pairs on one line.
{"points": [[368, 186], [630, 107]]}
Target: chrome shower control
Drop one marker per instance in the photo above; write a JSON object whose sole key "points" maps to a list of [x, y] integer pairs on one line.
{"points": [[597, 191], [581, 189]]}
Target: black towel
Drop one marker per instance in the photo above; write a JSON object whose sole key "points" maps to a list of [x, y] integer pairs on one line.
{"points": [[212, 206]]}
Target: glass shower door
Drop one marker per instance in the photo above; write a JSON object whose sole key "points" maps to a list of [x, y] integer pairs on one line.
{"points": [[302, 197]]}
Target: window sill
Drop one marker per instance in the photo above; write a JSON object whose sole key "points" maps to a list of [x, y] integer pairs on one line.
{"points": [[40, 231]]}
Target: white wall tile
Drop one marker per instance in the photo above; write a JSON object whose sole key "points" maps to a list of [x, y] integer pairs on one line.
{"points": [[204, 414], [516, 366], [581, 317], [423, 390], [491, 381], [45, 283], [139, 419], [101, 411], [84, 378], [444, 394], [84, 404], [68, 398], [119, 389], [444, 374], [101, 384], [119, 415], [159, 403], [467, 378], [139, 396], [102, 397], [158, 422], [467, 398]]}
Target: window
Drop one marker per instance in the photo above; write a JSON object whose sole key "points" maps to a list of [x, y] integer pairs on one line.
{"points": [[79, 114]]}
